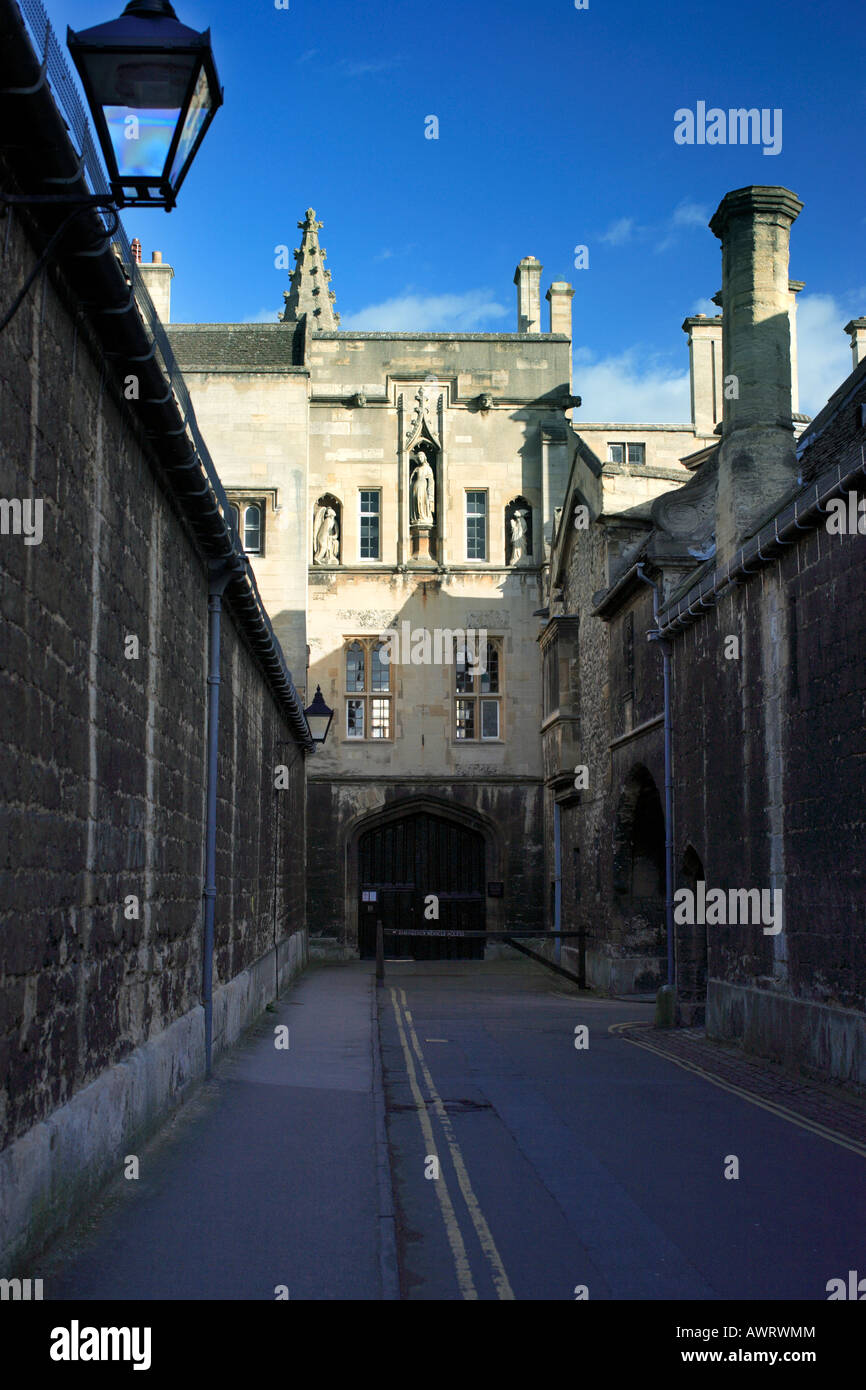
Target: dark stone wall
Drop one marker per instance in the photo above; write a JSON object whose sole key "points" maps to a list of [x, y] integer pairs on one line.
{"points": [[615, 676], [769, 767], [102, 758]]}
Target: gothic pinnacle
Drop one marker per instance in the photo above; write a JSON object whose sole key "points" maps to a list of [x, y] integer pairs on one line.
{"points": [[303, 296]]}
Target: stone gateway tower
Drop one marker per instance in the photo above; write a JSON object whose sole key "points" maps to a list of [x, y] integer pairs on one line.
{"points": [[422, 471]]}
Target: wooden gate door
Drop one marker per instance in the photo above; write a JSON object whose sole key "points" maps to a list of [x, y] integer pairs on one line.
{"points": [[412, 867]]}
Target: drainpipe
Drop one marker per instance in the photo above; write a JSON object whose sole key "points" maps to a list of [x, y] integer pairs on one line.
{"points": [[557, 883], [664, 644], [221, 573]]}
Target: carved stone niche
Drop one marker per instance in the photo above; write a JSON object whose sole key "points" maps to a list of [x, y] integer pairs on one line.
{"points": [[423, 498], [327, 530], [518, 531]]}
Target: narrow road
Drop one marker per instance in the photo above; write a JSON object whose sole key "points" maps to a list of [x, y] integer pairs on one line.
{"points": [[592, 1172], [562, 1171]]}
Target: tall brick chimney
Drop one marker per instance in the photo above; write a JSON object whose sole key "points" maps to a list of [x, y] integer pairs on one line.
{"points": [[857, 331], [527, 278], [559, 297], [757, 463], [158, 277], [705, 370]]}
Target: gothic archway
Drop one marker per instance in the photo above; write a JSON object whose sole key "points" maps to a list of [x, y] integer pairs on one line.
{"points": [[639, 865], [692, 948], [411, 851]]}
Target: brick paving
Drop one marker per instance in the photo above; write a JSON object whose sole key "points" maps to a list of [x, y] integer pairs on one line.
{"points": [[835, 1108]]}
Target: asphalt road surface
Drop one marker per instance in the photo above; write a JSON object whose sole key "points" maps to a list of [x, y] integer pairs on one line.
{"points": [[563, 1171], [595, 1172]]}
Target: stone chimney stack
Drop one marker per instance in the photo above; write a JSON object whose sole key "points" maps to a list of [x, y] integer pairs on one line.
{"points": [[757, 463], [527, 278], [857, 331], [559, 297], [705, 370], [794, 286], [157, 278]]}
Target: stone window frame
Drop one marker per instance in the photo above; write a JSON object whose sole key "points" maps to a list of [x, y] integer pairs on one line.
{"points": [[377, 558], [241, 498], [478, 696], [477, 559], [626, 445], [368, 695], [551, 697]]}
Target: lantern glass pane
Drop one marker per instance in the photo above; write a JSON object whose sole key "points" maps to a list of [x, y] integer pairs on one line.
{"points": [[142, 82], [140, 139], [142, 101], [196, 116]]}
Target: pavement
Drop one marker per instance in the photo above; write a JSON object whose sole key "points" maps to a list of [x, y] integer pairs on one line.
{"points": [[466, 1149], [271, 1178]]}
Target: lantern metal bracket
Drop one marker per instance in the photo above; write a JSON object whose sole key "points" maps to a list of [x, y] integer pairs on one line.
{"points": [[78, 202], [28, 91], [73, 178]]}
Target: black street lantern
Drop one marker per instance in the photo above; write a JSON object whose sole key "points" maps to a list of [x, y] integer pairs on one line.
{"points": [[153, 90], [319, 717]]}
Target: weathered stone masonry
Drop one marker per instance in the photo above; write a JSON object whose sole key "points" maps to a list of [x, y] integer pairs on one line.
{"points": [[103, 776]]}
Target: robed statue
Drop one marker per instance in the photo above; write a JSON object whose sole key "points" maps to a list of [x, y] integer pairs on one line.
{"points": [[422, 490], [326, 537], [518, 536]]}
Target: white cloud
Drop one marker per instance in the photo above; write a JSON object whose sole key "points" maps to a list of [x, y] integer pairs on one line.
{"points": [[704, 306], [433, 313], [364, 68], [263, 316], [639, 386], [685, 215], [633, 386], [690, 215], [823, 350], [619, 232]]}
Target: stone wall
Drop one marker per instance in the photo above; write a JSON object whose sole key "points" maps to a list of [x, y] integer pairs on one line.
{"points": [[768, 775], [103, 744]]}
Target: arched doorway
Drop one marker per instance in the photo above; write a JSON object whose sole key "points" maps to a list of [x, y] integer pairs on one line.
{"points": [[403, 863], [639, 877], [692, 948]]}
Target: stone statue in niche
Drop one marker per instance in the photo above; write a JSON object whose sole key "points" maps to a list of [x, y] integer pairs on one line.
{"points": [[422, 490], [518, 536], [326, 537]]}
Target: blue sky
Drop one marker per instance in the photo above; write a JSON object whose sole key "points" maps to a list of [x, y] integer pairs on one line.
{"points": [[555, 130]]}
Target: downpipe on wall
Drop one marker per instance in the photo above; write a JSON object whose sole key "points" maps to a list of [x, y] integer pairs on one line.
{"points": [[557, 883], [664, 644]]}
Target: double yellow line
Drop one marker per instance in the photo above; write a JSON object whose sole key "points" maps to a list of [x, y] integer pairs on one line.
{"points": [[406, 1026], [833, 1136]]}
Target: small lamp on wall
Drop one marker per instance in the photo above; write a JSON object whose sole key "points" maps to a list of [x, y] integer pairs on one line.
{"points": [[152, 87], [319, 717]]}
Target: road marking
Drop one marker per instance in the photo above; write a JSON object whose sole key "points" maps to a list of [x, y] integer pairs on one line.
{"points": [[783, 1113], [503, 1288], [452, 1229]]}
